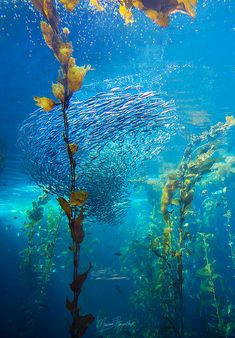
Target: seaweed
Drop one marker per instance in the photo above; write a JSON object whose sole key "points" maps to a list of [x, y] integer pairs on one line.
{"points": [[158, 11], [219, 314], [31, 227], [163, 280], [70, 80], [198, 160]]}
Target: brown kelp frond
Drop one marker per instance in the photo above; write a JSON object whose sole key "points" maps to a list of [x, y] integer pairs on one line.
{"points": [[62, 50], [71, 76], [45, 103], [158, 11], [97, 5], [48, 10], [70, 5]]}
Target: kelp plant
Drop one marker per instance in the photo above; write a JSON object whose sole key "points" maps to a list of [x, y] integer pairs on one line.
{"points": [[70, 80], [216, 310], [157, 10], [34, 217], [197, 161]]}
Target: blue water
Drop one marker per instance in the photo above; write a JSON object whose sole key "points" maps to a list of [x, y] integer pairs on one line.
{"points": [[191, 64]]}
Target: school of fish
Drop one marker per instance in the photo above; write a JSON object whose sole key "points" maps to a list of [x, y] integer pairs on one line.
{"points": [[117, 132]]}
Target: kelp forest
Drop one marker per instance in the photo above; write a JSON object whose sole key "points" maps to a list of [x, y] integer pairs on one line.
{"points": [[126, 226]]}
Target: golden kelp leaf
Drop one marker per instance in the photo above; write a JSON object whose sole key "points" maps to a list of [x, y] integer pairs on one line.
{"points": [[73, 148], [45, 103], [47, 33], [65, 206], [71, 62], [51, 13], [136, 3], [126, 14], [58, 91], [70, 4], [190, 6], [78, 198], [75, 77], [158, 17], [97, 5], [62, 50]]}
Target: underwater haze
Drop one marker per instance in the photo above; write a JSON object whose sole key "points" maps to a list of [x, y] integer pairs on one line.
{"points": [[117, 209]]}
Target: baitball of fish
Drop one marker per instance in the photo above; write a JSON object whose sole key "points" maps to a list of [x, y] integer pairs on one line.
{"points": [[116, 132]]}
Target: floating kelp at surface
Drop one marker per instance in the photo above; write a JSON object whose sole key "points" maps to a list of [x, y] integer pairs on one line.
{"points": [[158, 11], [116, 132]]}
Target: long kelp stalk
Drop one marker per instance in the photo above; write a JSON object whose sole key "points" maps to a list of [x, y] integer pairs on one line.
{"points": [[69, 81]]}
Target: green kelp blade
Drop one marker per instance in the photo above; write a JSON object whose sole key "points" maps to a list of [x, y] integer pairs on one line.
{"points": [[204, 272]]}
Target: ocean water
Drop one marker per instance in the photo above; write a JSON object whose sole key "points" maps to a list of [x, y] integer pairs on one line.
{"points": [[155, 154]]}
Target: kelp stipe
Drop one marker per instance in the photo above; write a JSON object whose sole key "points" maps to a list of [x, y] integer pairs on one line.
{"points": [[69, 81]]}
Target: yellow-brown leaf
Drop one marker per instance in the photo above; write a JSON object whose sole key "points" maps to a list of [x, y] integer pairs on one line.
{"points": [[62, 50], [71, 62], [126, 14], [45, 103], [75, 77], [97, 5], [78, 198], [159, 18], [190, 6], [73, 148], [70, 4], [58, 91], [47, 33], [65, 206]]}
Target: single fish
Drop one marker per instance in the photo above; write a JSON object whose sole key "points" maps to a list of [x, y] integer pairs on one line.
{"points": [[117, 288], [118, 254], [45, 306]]}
